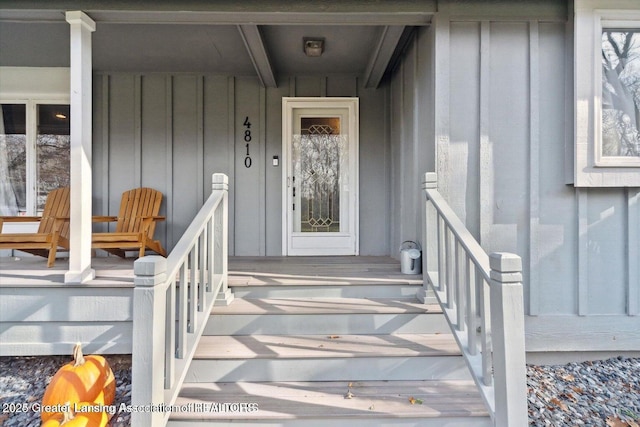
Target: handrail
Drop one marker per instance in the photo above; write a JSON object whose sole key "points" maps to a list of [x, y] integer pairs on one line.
{"points": [[481, 297], [172, 300]]}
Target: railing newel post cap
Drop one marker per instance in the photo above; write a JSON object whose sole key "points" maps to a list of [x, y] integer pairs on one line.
{"points": [[219, 178], [430, 180], [219, 181], [150, 265], [505, 262]]}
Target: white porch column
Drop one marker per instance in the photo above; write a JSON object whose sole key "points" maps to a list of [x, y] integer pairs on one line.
{"points": [[80, 231]]}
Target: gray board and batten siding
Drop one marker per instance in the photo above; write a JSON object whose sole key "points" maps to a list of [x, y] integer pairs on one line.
{"points": [[501, 117], [483, 96], [172, 131], [492, 114]]}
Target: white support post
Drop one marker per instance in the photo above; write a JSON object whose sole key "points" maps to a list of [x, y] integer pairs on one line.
{"points": [[148, 354], [220, 182], [81, 27], [507, 323], [429, 234]]}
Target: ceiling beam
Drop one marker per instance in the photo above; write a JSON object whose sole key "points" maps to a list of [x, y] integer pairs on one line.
{"points": [[254, 43], [382, 55]]}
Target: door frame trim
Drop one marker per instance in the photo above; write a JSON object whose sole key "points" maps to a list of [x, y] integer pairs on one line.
{"points": [[288, 105]]}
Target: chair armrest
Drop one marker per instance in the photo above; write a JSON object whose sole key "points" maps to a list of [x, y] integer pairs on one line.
{"points": [[153, 218], [20, 218], [104, 218]]}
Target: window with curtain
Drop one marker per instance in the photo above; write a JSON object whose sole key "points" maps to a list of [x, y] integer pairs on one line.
{"points": [[34, 155]]}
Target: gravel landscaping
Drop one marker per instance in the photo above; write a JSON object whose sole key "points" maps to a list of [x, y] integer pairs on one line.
{"points": [[600, 393]]}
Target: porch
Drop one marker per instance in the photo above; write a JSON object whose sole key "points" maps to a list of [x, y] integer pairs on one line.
{"points": [[312, 320]]}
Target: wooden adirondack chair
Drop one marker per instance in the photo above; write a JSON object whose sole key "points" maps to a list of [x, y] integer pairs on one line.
{"points": [[53, 231], [135, 224]]}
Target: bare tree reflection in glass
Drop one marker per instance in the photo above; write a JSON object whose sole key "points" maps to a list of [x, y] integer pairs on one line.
{"points": [[620, 92]]}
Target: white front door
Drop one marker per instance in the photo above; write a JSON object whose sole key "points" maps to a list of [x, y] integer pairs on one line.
{"points": [[320, 176]]}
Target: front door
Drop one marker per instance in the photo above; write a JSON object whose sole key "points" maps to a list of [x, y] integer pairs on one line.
{"points": [[320, 176]]}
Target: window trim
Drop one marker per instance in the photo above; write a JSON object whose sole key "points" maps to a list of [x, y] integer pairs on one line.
{"points": [[588, 170], [608, 19]]}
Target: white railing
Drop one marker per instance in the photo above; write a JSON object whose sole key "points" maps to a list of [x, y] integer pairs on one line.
{"points": [[172, 300], [481, 297]]}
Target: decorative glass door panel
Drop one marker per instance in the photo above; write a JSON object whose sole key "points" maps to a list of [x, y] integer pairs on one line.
{"points": [[320, 177], [319, 156]]}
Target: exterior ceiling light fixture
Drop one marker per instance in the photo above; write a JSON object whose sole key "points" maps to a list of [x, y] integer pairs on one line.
{"points": [[313, 47]]}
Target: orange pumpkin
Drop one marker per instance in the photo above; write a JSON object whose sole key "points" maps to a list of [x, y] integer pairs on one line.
{"points": [[83, 414], [109, 388], [83, 419], [80, 381]]}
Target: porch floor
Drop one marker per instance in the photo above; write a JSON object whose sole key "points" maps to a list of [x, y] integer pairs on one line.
{"points": [[32, 271], [243, 271], [321, 270]]}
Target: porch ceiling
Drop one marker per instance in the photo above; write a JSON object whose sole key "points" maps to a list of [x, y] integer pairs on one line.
{"points": [[232, 43]]}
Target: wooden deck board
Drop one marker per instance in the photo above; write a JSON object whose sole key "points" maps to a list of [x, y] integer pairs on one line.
{"points": [[300, 400], [345, 271], [32, 271], [325, 346], [325, 306]]}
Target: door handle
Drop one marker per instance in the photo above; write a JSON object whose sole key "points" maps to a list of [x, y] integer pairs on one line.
{"points": [[293, 179]]}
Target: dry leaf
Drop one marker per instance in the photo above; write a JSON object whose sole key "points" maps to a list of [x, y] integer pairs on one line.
{"points": [[568, 377], [559, 403], [333, 337], [616, 422], [350, 385], [414, 401]]}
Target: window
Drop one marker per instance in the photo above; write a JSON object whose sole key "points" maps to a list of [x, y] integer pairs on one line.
{"points": [[619, 133], [607, 93], [34, 154]]}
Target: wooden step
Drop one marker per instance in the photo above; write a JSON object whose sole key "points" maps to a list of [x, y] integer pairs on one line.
{"points": [[428, 403], [327, 358], [325, 290], [329, 369], [325, 346], [306, 316], [321, 278], [326, 306]]}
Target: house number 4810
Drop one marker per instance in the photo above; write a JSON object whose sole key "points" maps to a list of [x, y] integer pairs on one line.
{"points": [[247, 140]]}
